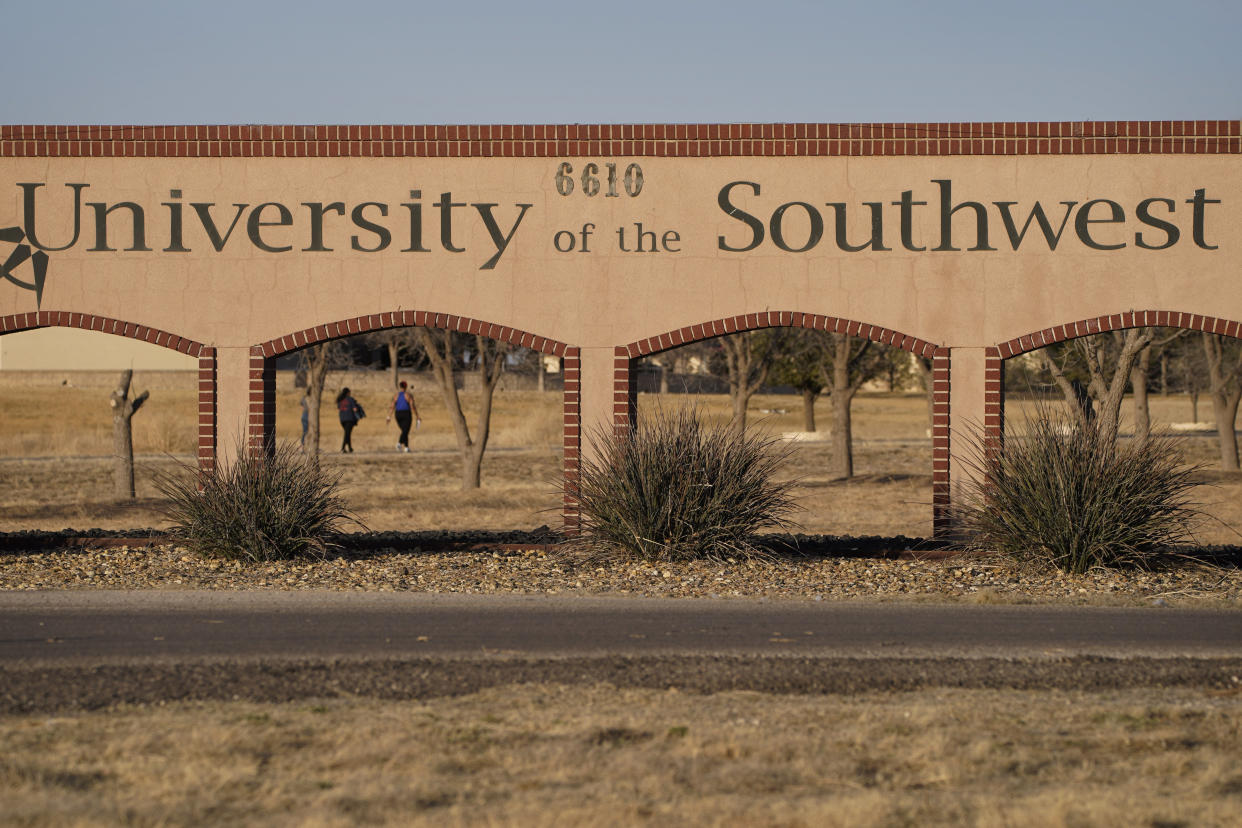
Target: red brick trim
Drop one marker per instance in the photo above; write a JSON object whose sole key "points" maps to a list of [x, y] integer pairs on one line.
{"points": [[941, 438], [206, 359], [624, 387], [572, 436], [776, 319], [994, 410], [994, 398], [624, 391], [596, 140], [261, 422], [207, 383], [261, 412]]}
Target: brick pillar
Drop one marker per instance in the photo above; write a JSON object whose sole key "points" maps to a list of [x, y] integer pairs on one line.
{"points": [[624, 391], [572, 440], [941, 441], [994, 411], [972, 401], [261, 419], [232, 401], [207, 409]]}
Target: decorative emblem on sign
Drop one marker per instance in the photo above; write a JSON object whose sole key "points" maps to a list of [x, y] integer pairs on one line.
{"points": [[18, 257]]}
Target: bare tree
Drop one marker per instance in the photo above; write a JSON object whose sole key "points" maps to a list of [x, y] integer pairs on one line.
{"points": [[1140, 377], [446, 351], [1224, 364], [527, 362], [317, 359], [816, 361], [898, 368], [747, 358], [678, 364], [123, 410], [661, 364], [1106, 360], [853, 362], [395, 341], [800, 363]]}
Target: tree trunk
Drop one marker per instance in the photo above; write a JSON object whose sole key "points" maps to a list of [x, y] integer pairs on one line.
{"points": [[1077, 400], [748, 370], [740, 403], [850, 370], [842, 399], [842, 435], [394, 354], [491, 366], [123, 410], [540, 374], [1225, 407], [664, 372], [439, 347], [1224, 362], [1138, 382], [808, 409], [317, 357], [1107, 381], [1109, 391]]}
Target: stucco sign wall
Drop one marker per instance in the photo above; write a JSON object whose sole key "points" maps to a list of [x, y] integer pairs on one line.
{"points": [[603, 243]]}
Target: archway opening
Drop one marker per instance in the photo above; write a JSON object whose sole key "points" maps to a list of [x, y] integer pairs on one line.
{"points": [[58, 457], [487, 406], [1183, 378], [863, 447]]}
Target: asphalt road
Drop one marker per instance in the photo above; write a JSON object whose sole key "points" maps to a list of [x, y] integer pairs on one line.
{"points": [[90, 628], [64, 651]]}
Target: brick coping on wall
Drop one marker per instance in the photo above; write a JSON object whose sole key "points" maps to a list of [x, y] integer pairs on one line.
{"points": [[624, 387], [262, 405], [657, 140], [206, 354]]}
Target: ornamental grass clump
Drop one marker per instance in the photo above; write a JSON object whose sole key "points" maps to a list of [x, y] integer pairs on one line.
{"points": [[258, 507], [677, 489], [1068, 495]]}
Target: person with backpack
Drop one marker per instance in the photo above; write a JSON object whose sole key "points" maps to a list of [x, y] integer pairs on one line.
{"points": [[350, 413], [305, 404], [406, 411]]}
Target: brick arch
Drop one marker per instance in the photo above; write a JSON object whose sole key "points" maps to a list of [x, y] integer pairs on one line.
{"points": [[206, 355], [625, 387], [994, 387], [261, 425]]}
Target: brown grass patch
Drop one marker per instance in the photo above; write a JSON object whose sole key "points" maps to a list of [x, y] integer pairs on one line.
{"points": [[64, 422], [549, 754]]}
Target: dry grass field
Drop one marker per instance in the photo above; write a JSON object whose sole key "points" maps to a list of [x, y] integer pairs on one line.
{"points": [[556, 755], [55, 468]]}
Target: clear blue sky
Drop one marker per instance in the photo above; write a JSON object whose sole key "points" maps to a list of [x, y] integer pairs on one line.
{"points": [[306, 61]]}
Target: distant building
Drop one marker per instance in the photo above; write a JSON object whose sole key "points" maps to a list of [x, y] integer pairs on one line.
{"points": [[71, 349]]}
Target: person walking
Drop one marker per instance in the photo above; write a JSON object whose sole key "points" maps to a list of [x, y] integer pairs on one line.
{"points": [[350, 413], [305, 417], [406, 411]]}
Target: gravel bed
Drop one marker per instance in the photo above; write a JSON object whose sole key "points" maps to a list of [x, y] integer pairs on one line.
{"points": [[542, 569]]}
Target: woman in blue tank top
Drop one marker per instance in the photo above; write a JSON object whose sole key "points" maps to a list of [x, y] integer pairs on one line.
{"points": [[406, 411]]}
